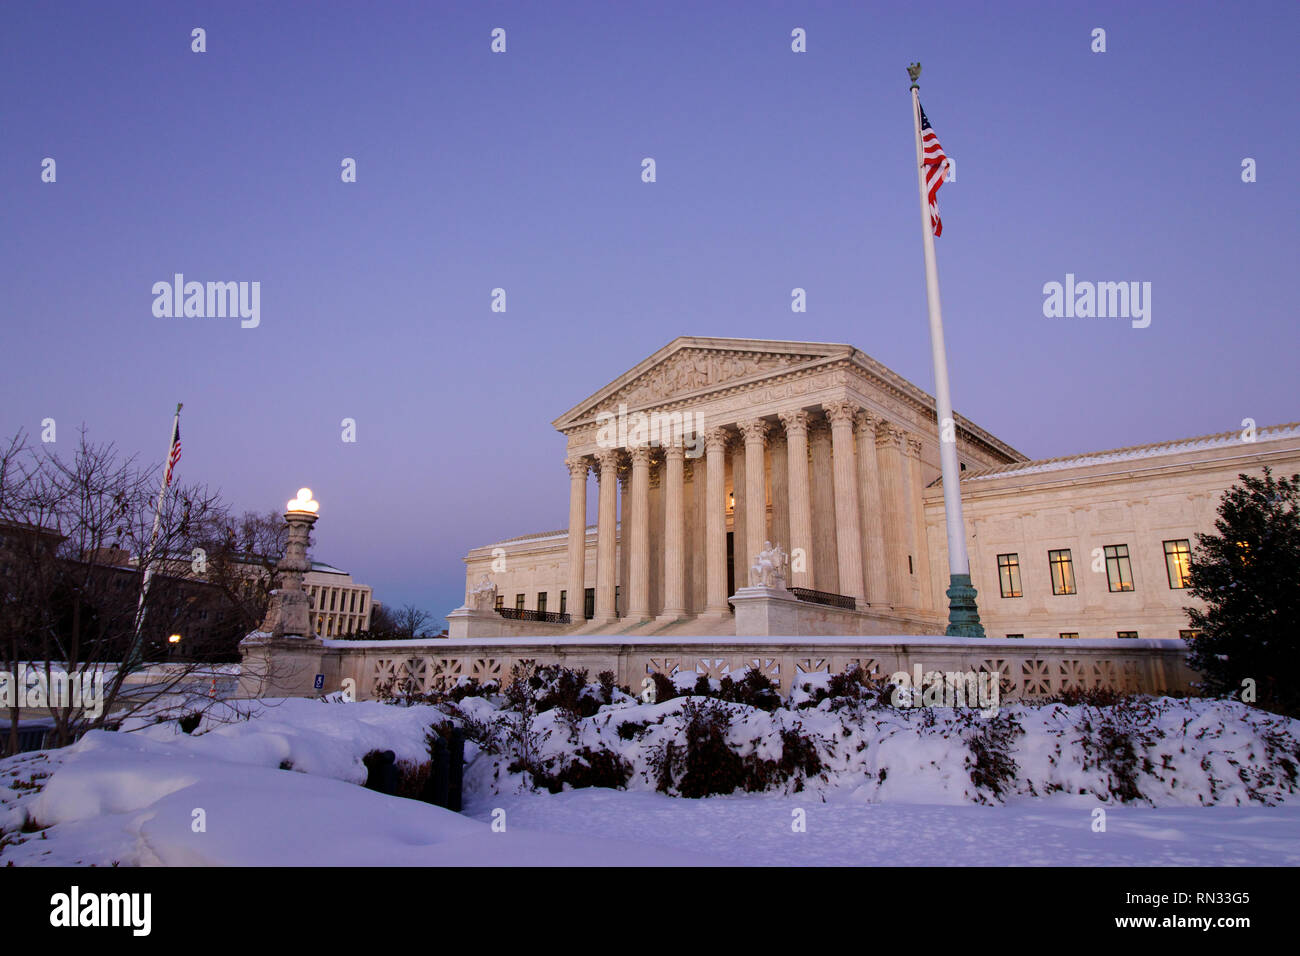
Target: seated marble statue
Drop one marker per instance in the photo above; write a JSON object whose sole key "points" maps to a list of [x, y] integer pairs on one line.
{"points": [[768, 569], [483, 596]]}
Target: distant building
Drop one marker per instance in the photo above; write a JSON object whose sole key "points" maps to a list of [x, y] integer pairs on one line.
{"points": [[339, 606]]}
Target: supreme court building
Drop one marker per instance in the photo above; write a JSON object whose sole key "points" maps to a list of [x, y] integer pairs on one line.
{"points": [[712, 447]]}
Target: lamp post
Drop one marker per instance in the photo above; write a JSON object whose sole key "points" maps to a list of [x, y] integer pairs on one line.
{"points": [[289, 612]]}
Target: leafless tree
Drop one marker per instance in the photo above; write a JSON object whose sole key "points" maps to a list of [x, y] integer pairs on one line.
{"points": [[410, 622], [240, 555], [70, 602]]}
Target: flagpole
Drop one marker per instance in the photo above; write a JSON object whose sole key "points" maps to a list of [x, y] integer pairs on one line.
{"points": [[153, 541], [963, 612]]}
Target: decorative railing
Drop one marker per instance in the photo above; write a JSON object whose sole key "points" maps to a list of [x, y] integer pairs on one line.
{"points": [[1037, 670], [541, 617], [845, 601]]}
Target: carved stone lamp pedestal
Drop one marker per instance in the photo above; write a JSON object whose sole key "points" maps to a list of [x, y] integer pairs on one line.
{"points": [[283, 656], [289, 613]]}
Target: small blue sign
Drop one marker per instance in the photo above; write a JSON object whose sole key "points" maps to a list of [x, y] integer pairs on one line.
{"points": [[320, 682]]}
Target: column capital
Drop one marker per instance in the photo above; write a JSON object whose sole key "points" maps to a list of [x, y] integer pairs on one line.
{"points": [[578, 467], [755, 431], [912, 446], [867, 421], [608, 459], [818, 426], [841, 411], [640, 456], [889, 434], [675, 451], [795, 421], [717, 438]]}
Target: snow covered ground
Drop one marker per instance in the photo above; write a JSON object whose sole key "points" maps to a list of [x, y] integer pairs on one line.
{"points": [[756, 830], [283, 788]]}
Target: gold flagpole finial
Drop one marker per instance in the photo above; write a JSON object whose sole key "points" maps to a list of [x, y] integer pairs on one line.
{"points": [[913, 71]]}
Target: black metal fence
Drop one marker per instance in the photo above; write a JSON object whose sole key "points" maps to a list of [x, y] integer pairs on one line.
{"points": [[542, 617], [845, 601]]}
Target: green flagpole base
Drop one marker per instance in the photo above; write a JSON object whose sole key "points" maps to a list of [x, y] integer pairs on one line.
{"points": [[963, 613]]}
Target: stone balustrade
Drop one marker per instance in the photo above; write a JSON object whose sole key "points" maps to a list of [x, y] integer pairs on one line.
{"points": [[1029, 668]]}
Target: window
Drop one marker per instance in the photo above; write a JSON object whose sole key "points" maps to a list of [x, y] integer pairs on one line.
{"points": [[1009, 575], [1119, 571], [1131, 635], [1062, 564], [541, 600], [1020, 637], [588, 603], [352, 602], [1189, 635], [1178, 562], [564, 602], [501, 601], [519, 602], [1070, 635], [909, 565]]}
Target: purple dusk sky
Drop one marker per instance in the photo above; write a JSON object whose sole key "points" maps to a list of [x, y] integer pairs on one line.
{"points": [[523, 171]]}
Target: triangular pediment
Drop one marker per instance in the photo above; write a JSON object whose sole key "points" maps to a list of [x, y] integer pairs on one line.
{"points": [[692, 366]]}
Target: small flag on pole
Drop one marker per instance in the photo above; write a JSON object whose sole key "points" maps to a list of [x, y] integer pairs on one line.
{"points": [[174, 455], [936, 171]]}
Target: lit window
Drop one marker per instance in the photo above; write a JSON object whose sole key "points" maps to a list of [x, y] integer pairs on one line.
{"points": [[1070, 635], [1062, 564], [1178, 563], [1119, 570], [1009, 575], [1130, 635]]}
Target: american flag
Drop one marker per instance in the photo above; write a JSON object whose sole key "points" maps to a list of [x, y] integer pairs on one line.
{"points": [[936, 170], [174, 455]]}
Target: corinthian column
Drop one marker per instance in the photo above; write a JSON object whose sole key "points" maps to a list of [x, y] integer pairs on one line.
{"points": [[716, 534], [848, 538], [606, 517], [873, 522], [796, 444], [825, 553], [755, 432], [674, 532], [578, 468], [778, 463], [638, 607], [921, 543], [898, 538]]}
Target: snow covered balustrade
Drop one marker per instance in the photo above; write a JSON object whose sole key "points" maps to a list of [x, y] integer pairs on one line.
{"points": [[1029, 668]]}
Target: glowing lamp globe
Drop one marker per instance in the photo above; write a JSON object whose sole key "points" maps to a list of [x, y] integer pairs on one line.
{"points": [[304, 503]]}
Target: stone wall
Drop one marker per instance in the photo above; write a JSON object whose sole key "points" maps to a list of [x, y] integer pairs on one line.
{"points": [[1031, 668]]}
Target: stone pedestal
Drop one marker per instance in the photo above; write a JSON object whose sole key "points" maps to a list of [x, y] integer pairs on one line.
{"points": [[468, 622], [282, 658], [766, 611]]}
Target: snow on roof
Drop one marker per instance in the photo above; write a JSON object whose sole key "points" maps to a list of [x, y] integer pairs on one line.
{"points": [[538, 536], [1131, 453]]}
